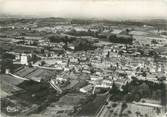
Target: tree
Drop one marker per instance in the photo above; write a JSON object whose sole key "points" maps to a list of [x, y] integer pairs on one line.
{"points": [[123, 107], [82, 44], [7, 56], [144, 90], [154, 42], [114, 89], [111, 111], [137, 113], [30, 65], [114, 105], [129, 97], [36, 58], [146, 115], [152, 53], [43, 63], [137, 97], [129, 112], [7, 62]]}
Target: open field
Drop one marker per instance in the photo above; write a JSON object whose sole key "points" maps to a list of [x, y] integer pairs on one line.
{"points": [[93, 107], [114, 109], [25, 71]]}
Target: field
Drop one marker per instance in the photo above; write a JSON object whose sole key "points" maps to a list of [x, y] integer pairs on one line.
{"points": [[141, 110], [25, 71], [91, 108], [3, 93], [39, 74], [10, 79], [35, 73], [72, 99], [8, 85], [114, 109]]}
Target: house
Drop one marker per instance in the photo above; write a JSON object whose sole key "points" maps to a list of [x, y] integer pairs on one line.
{"points": [[106, 84], [74, 60], [86, 89], [59, 67], [95, 77], [86, 71], [102, 83], [25, 58], [121, 82]]}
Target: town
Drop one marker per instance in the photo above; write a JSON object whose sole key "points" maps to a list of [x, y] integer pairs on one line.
{"points": [[56, 67]]}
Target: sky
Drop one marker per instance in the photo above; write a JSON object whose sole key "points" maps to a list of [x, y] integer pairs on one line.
{"points": [[100, 9]]}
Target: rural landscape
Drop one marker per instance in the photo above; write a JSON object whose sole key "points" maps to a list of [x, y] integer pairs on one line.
{"points": [[83, 58], [61, 67]]}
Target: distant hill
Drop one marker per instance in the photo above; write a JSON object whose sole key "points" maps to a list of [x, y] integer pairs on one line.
{"points": [[162, 23]]}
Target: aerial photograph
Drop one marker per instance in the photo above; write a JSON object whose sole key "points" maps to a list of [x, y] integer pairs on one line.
{"points": [[83, 58]]}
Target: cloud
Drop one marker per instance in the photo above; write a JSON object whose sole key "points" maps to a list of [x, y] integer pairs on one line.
{"points": [[103, 9]]}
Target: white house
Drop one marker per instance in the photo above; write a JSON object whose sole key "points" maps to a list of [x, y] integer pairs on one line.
{"points": [[24, 59]]}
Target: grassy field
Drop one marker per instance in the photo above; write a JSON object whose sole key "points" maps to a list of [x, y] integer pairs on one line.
{"points": [[8, 85], [3, 93], [25, 71], [114, 109], [91, 108], [142, 110]]}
